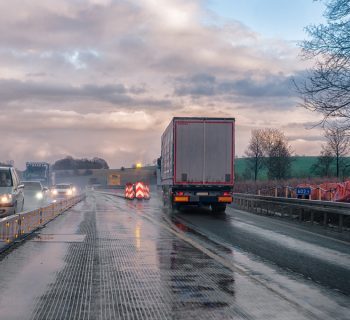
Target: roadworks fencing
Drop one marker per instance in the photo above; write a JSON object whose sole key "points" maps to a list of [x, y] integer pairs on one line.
{"points": [[329, 191], [19, 225]]}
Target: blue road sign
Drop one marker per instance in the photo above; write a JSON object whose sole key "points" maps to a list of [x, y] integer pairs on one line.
{"points": [[303, 191]]}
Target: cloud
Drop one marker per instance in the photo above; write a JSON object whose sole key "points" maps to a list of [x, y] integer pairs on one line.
{"points": [[14, 90], [248, 85], [104, 78]]}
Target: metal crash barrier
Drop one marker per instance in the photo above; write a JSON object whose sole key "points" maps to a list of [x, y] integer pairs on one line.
{"points": [[326, 213], [21, 224]]}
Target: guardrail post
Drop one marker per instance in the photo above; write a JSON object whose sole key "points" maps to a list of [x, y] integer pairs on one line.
{"points": [[286, 193], [340, 228], [259, 192], [276, 192]]}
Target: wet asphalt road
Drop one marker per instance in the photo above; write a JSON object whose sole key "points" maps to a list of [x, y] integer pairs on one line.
{"points": [[321, 258], [108, 258]]}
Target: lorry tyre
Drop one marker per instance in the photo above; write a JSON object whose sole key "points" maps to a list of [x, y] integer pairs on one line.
{"points": [[218, 208]]}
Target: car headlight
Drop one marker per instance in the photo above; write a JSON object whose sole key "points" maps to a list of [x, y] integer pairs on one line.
{"points": [[39, 195], [69, 192], [54, 191], [6, 198]]}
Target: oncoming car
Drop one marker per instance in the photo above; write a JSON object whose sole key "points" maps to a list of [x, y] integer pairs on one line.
{"points": [[34, 193], [11, 192], [63, 190]]}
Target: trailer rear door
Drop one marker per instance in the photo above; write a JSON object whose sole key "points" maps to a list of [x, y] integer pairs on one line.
{"points": [[204, 151]]}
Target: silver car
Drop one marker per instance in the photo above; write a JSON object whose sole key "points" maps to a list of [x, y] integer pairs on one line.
{"points": [[62, 190], [11, 192], [35, 194]]}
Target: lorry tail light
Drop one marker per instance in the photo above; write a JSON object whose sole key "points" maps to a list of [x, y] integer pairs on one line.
{"points": [[181, 199], [179, 193], [226, 194], [225, 199]]}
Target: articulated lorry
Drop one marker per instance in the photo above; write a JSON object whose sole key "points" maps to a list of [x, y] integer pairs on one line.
{"points": [[197, 162], [38, 171]]}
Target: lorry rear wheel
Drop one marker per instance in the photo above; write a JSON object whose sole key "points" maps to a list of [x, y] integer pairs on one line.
{"points": [[218, 208]]}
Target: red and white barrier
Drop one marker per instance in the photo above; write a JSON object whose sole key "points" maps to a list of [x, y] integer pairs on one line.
{"points": [[129, 191], [146, 192], [139, 190]]}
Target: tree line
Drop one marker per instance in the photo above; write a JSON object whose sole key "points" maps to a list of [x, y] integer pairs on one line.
{"points": [[69, 163], [269, 150]]}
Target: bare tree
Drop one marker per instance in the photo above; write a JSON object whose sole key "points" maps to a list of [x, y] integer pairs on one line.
{"points": [[327, 86], [255, 152], [270, 148], [338, 143], [322, 167], [278, 154]]}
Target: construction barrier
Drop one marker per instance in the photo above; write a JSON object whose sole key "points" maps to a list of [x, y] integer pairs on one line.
{"points": [[146, 192], [30, 221], [17, 225], [129, 191], [139, 190], [333, 191], [9, 229]]}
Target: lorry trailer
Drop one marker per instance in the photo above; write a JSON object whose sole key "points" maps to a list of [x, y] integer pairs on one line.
{"points": [[197, 162]]}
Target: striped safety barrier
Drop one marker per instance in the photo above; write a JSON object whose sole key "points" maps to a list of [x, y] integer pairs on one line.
{"points": [[147, 195], [129, 191], [139, 190]]}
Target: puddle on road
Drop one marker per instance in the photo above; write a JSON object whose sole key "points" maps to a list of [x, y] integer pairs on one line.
{"points": [[58, 238], [193, 281]]}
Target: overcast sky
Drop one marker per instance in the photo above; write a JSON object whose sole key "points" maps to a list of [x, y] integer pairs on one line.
{"points": [[104, 78]]}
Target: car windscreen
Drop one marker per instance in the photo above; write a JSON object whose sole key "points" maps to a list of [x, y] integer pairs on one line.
{"points": [[5, 178], [32, 185], [63, 186]]}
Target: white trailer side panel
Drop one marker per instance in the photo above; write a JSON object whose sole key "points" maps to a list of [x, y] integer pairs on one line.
{"points": [[167, 156]]}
